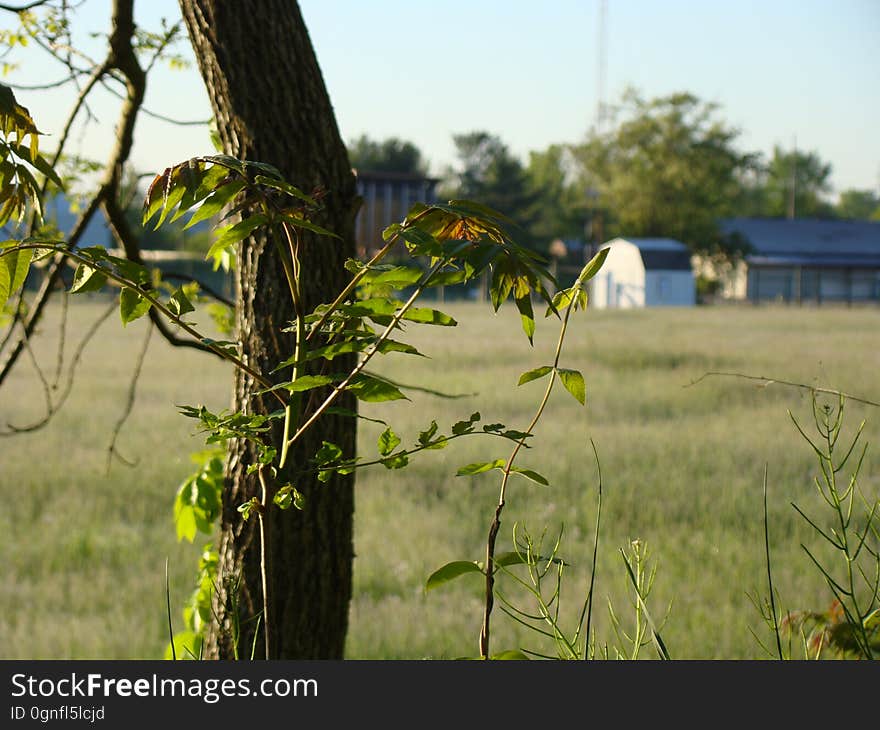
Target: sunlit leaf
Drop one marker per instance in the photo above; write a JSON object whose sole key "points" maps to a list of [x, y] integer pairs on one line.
{"points": [[87, 279], [285, 187], [374, 390], [308, 382], [536, 374], [399, 276], [388, 441], [451, 571], [179, 304], [480, 467], [574, 383], [398, 461], [132, 305], [592, 267], [531, 475], [216, 202], [510, 655], [429, 316]]}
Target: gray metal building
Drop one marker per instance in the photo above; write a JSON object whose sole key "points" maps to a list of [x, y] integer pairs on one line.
{"points": [[808, 260]]}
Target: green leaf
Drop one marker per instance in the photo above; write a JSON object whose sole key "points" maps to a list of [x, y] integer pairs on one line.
{"points": [[419, 242], [308, 382], [592, 267], [21, 268], [374, 390], [527, 315], [184, 514], [5, 279], [13, 271], [253, 504], [426, 435], [399, 276], [536, 374], [463, 427], [574, 384], [446, 278], [388, 441], [230, 235], [479, 467], [39, 162], [509, 655], [562, 300], [285, 187], [391, 230], [429, 316], [529, 474], [328, 452], [179, 304], [505, 560], [215, 202], [395, 462], [87, 279], [132, 305], [329, 352], [226, 346], [451, 571], [187, 646], [288, 496]]}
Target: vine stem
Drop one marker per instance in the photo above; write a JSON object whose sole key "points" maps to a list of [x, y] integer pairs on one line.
{"points": [[374, 348], [264, 558], [350, 287], [496, 521], [292, 272]]}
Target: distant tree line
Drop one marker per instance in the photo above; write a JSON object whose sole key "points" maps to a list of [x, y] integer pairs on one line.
{"points": [[663, 167]]}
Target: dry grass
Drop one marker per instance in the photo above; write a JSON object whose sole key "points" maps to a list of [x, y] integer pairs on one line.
{"points": [[84, 552]]}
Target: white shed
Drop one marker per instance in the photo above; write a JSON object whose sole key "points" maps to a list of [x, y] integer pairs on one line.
{"points": [[645, 272]]}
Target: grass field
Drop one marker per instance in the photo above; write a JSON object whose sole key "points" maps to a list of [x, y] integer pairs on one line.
{"points": [[84, 551]]}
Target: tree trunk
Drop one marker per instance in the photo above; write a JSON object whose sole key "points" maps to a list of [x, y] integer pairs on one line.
{"points": [[271, 106]]}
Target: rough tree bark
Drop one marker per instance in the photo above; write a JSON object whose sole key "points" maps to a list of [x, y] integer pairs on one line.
{"points": [[271, 105]]}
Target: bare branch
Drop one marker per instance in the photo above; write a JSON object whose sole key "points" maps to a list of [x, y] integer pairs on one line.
{"points": [[129, 403], [20, 8], [770, 381], [156, 115], [121, 57], [50, 85], [71, 371], [47, 392]]}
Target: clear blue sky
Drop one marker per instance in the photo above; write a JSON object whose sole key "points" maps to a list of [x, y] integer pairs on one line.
{"points": [[423, 70]]}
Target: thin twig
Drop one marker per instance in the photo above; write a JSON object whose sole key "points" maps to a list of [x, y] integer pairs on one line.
{"points": [[769, 574], [71, 369], [129, 403], [789, 383], [496, 521]]}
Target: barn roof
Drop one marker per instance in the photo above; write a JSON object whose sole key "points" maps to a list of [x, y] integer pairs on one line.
{"points": [[809, 242], [664, 254]]}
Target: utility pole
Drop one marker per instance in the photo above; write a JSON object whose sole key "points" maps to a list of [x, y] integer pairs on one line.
{"points": [[793, 184], [602, 47]]}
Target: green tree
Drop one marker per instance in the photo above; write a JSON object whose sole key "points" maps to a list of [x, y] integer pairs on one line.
{"points": [[561, 206], [667, 167], [796, 185], [310, 587], [858, 205], [389, 155]]}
